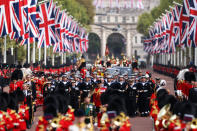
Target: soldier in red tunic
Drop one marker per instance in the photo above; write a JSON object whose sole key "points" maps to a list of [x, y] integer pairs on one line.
{"points": [[97, 94]]}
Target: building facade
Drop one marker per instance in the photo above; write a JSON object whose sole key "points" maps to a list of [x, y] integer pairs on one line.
{"points": [[123, 20]]}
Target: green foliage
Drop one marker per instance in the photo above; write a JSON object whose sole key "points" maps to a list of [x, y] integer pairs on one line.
{"points": [[21, 53], [147, 19], [81, 10]]}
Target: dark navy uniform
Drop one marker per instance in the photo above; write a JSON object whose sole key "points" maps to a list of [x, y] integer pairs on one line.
{"points": [[130, 95], [144, 93]]}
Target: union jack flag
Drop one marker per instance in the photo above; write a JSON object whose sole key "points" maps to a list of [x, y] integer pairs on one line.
{"points": [[60, 30], [31, 28], [177, 14], [170, 33], [163, 35], [76, 38], [193, 22], [147, 44], [82, 40], [7, 17], [184, 25], [46, 18]]}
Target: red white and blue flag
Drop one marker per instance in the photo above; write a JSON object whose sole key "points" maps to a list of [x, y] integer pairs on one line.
{"points": [[193, 22], [184, 25], [177, 14], [46, 18], [6, 16]]}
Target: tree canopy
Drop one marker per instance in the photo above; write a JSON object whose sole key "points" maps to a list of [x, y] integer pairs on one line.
{"points": [[147, 19], [81, 10]]}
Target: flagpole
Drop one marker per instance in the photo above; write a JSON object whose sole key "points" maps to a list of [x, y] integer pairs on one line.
{"points": [[174, 58], [39, 54], [45, 55], [196, 56], [185, 54], [190, 54], [62, 58], [28, 51], [152, 62], [5, 57], [53, 59], [181, 60], [178, 56], [34, 52]]}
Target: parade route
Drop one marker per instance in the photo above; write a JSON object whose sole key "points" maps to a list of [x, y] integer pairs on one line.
{"points": [[138, 123]]}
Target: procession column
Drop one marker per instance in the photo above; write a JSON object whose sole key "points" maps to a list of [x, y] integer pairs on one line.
{"points": [[5, 54], [103, 43], [128, 50]]}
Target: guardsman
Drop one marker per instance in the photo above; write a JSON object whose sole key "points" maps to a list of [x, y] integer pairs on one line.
{"points": [[16, 81], [97, 94]]}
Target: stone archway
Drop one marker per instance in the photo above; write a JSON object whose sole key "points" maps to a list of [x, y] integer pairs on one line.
{"points": [[94, 45], [116, 43]]}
